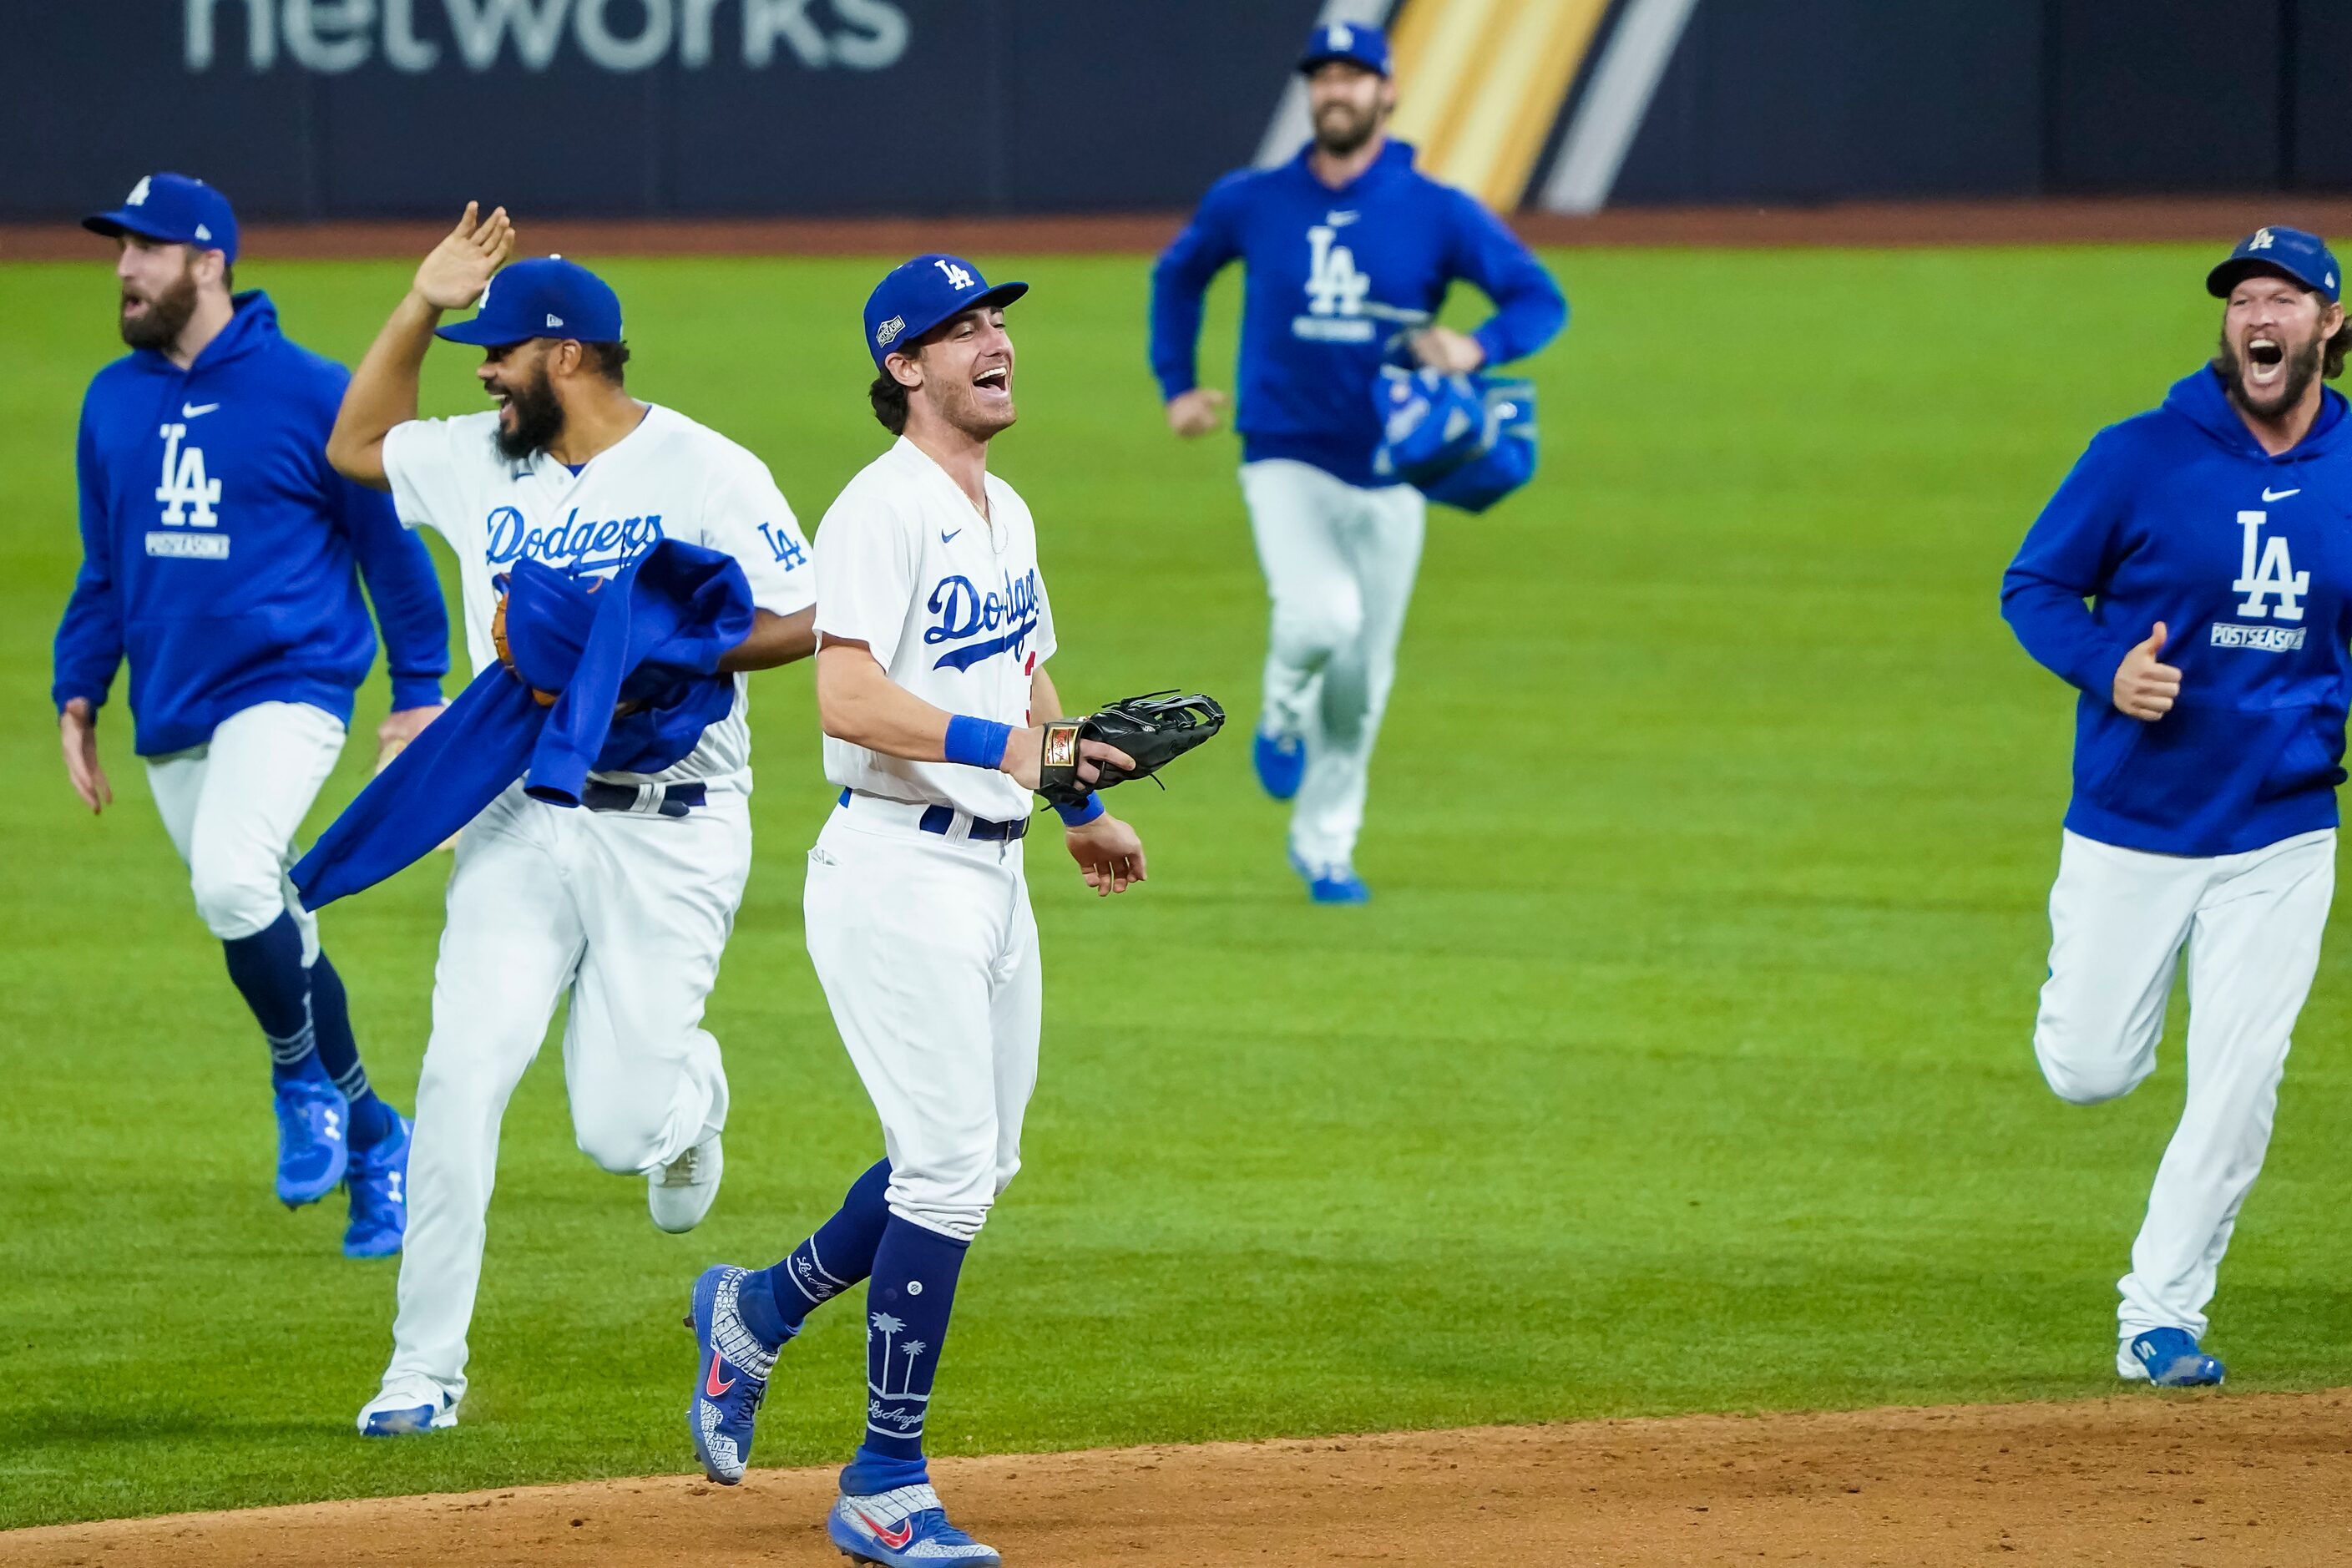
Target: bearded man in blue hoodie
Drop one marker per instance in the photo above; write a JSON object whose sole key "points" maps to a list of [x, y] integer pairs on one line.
{"points": [[1349, 251], [2213, 539], [222, 555]]}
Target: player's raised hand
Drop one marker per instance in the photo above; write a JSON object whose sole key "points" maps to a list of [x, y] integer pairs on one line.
{"points": [[1195, 413], [453, 276], [78, 730], [2146, 688], [1110, 855]]}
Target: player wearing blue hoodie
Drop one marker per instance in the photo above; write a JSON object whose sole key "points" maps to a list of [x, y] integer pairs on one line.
{"points": [[2213, 537], [1350, 251], [222, 555]]}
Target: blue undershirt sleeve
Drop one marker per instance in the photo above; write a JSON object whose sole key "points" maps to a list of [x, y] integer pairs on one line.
{"points": [[2067, 557], [89, 634], [1181, 277], [1530, 308]]}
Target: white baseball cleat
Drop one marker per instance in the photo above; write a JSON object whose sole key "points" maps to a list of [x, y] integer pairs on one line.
{"points": [[679, 1194], [407, 1406]]}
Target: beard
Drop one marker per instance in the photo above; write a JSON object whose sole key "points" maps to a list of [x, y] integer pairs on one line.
{"points": [[1340, 129], [167, 315], [963, 411], [538, 419], [2302, 369]]}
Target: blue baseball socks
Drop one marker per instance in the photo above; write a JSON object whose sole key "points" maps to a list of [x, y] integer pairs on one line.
{"points": [[773, 1301], [911, 1279], [266, 969], [371, 1119], [907, 1306], [305, 1016]]}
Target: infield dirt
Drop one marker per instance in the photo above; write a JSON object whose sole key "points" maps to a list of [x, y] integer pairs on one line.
{"points": [[2230, 1481]]}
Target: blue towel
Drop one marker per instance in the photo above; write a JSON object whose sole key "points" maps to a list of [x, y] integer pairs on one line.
{"points": [[650, 637]]}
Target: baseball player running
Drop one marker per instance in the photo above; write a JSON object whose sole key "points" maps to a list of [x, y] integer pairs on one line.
{"points": [[222, 555], [624, 906], [1349, 251], [2209, 536], [934, 631]]}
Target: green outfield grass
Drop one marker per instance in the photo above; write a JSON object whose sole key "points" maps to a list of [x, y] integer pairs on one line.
{"points": [[1680, 1064]]}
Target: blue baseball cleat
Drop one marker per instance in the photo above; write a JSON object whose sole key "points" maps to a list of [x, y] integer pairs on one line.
{"points": [[1281, 763], [730, 1376], [378, 1180], [409, 1406], [1333, 884], [2169, 1358], [903, 1529], [313, 1156]]}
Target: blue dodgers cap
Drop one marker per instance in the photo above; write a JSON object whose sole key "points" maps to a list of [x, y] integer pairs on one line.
{"points": [[916, 296], [2302, 256], [546, 297], [1359, 43], [176, 209]]}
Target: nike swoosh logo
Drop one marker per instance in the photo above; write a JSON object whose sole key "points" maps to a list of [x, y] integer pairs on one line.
{"points": [[896, 1540], [946, 537], [1338, 219], [711, 1386], [196, 410], [2281, 495]]}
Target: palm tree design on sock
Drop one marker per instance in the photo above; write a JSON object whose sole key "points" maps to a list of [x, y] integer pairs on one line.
{"points": [[910, 1350], [886, 1325], [907, 1419]]}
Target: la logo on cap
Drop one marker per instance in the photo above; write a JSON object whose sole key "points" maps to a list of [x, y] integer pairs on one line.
{"points": [[138, 197], [1342, 36], [2261, 240]]}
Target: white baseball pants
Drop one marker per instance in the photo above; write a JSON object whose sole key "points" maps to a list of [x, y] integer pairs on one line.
{"points": [[927, 950], [628, 913], [2251, 925], [233, 806], [1339, 563]]}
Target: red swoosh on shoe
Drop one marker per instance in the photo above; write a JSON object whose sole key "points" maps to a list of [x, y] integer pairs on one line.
{"points": [[896, 1540], [711, 1386]]}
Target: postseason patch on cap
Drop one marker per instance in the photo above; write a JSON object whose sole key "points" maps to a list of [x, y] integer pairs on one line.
{"points": [[888, 332]]}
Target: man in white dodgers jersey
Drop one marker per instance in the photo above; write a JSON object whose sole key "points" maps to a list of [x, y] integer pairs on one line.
{"points": [[934, 631], [625, 905]]}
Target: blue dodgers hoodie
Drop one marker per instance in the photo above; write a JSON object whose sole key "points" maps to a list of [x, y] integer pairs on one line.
{"points": [[650, 638], [1335, 278], [2179, 516], [223, 554]]}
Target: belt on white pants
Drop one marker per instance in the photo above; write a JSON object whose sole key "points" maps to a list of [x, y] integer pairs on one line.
{"points": [[955, 826]]}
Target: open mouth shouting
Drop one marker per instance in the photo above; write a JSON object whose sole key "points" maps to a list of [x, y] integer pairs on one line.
{"points": [[2265, 363], [994, 385]]}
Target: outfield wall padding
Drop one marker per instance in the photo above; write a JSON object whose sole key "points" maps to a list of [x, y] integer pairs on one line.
{"points": [[318, 110]]}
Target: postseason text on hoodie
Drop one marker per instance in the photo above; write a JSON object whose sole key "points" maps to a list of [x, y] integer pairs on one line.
{"points": [[2179, 516], [222, 553]]}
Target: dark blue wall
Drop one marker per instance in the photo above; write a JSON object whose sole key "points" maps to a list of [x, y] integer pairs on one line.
{"points": [[378, 107], [365, 107], [1772, 100]]}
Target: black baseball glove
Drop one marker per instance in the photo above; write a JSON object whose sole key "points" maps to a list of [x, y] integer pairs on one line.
{"points": [[1154, 729]]}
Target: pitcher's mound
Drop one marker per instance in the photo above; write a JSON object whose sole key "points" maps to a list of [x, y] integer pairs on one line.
{"points": [[2234, 1482]]}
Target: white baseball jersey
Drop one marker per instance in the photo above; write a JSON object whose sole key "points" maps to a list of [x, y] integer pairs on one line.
{"points": [[668, 479], [954, 607]]}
